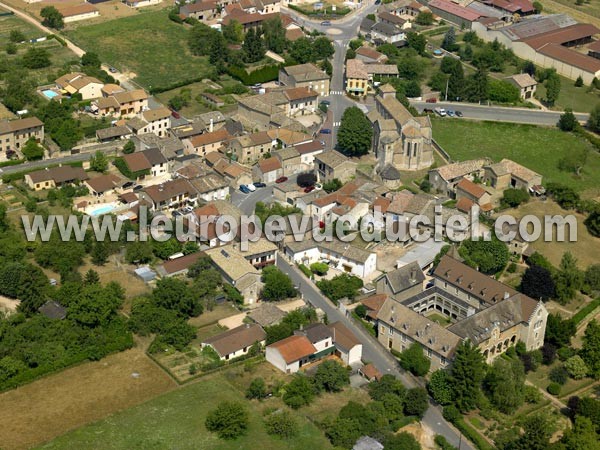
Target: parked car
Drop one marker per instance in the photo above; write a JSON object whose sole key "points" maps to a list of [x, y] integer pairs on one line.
{"points": [[450, 113], [251, 187], [431, 100], [309, 189], [139, 187], [458, 113], [326, 23], [259, 185], [325, 131], [175, 114], [128, 185], [440, 111], [428, 111], [187, 209], [244, 189], [325, 102], [281, 180], [176, 213]]}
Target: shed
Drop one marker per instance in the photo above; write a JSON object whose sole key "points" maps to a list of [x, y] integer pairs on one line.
{"points": [[145, 274]]}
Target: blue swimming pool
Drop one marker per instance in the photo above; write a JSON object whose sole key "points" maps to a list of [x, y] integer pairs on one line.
{"points": [[107, 209], [49, 94]]}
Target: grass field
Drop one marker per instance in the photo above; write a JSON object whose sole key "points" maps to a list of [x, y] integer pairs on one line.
{"points": [[10, 23], [538, 148], [176, 420], [577, 98], [585, 249], [148, 44], [51, 406]]}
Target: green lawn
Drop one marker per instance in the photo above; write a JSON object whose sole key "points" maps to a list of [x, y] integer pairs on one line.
{"points": [[9, 23], [148, 44], [176, 420], [579, 99], [538, 148]]}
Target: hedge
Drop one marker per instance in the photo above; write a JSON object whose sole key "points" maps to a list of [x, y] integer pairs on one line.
{"points": [[452, 415], [585, 311], [327, 11], [12, 162], [443, 443], [305, 270], [262, 75]]}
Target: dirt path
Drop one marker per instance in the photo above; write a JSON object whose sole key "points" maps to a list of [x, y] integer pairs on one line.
{"points": [[556, 402]]}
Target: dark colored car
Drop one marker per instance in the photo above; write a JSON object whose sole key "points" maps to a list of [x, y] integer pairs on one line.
{"points": [[139, 187], [281, 180], [326, 23], [259, 185], [175, 114], [128, 185], [325, 102], [325, 131], [458, 113], [309, 189], [428, 111], [244, 189]]}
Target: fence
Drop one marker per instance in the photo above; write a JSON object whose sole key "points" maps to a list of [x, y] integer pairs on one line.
{"points": [[443, 153]]}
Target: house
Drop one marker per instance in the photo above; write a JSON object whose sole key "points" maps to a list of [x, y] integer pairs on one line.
{"points": [[202, 222], [202, 11], [248, 21], [289, 138], [308, 151], [332, 164], [301, 100], [178, 266], [266, 314], [454, 12], [126, 103], [347, 347], [14, 134], [290, 161], [267, 170], [79, 83], [237, 341], [400, 139], [474, 193], [509, 174], [357, 78], [237, 271], [114, 133], [54, 177], [150, 161], [341, 255], [251, 147], [512, 7], [78, 12], [260, 254], [141, 3], [170, 195], [387, 33], [370, 373], [373, 304], [291, 353], [212, 99], [103, 184], [170, 147], [111, 89], [211, 187], [53, 310], [206, 143], [158, 121], [404, 282], [394, 19], [445, 178], [305, 75], [370, 56], [525, 83]]}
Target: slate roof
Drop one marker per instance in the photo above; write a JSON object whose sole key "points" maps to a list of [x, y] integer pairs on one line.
{"points": [[53, 310], [405, 277], [343, 338]]}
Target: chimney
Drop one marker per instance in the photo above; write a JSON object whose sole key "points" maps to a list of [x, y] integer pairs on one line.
{"points": [[506, 295], [413, 274], [211, 127]]}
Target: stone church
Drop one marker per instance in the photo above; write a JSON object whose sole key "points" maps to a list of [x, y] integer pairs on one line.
{"points": [[401, 140]]}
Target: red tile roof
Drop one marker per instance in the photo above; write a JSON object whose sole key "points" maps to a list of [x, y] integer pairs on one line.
{"points": [[294, 348], [471, 188], [566, 55], [269, 164], [456, 10]]}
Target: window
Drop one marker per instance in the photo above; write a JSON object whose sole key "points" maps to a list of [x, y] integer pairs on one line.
{"points": [[391, 331]]}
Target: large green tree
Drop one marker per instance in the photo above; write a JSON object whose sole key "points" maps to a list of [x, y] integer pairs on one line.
{"points": [[32, 150], [253, 47], [355, 133], [52, 17], [468, 372], [414, 360], [274, 35], [229, 420], [590, 352], [505, 384], [277, 285], [488, 256], [552, 86], [569, 278], [331, 376]]}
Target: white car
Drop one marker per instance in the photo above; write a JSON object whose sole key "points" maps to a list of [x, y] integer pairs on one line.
{"points": [[440, 111], [251, 187]]}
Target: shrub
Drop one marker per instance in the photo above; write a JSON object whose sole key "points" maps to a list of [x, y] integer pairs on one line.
{"points": [[559, 375], [532, 394], [451, 413], [305, 270], [576, 367], [229, 420], [319, 268], [443, 443], [554, 388], [281, 424]]}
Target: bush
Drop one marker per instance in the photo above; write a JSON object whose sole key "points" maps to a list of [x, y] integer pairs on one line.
{"points": [[281, 424], [565, 353], [451, 413], [559, 375], [576, 367], [554, 388], [443, 443], [229, 420], [532, 394], [305, 270], [319, 268]]}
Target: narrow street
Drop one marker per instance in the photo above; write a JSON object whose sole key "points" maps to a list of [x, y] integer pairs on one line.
{"points": [[372, 352]]}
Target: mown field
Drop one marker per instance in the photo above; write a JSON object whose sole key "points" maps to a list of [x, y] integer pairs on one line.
{"points": [[538, 148], [148, 44], [51, 406], [176, 420]]}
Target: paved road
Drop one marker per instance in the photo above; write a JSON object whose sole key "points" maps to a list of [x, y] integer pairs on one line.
{"points": [[500, 114], [372, 352], [246, 202]]}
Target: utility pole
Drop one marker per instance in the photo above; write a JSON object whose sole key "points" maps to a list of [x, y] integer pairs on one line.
{"points": [[446, 97]]}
